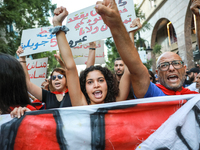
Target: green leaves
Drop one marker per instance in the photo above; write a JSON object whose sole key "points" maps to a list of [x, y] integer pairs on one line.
{"points": [[21, 14]]}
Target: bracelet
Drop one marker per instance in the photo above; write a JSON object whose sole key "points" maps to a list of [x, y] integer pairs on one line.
{"points": [[58, 28], [92, 48], [22, 61]]}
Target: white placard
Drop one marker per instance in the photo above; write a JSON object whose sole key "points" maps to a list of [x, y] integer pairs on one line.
{"points": [[85, 26], [37, 69], [143, 56], [80, 53]]}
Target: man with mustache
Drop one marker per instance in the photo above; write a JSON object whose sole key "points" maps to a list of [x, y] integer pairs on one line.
{"points": [[119, 68], [170, 67]]}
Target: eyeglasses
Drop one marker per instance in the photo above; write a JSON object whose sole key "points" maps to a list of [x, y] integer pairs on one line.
{"points": [[60, 76], [177, 64]]}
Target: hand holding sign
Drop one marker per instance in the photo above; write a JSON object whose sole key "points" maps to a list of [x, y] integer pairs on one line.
{"points": [[137, 25], [19, 51], [60, 14]]}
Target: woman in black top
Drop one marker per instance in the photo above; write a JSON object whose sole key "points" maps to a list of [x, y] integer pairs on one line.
{"points": [[58, 97]]}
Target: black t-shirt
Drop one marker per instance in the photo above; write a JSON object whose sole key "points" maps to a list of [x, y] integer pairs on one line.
{"points": [[52, 102]]}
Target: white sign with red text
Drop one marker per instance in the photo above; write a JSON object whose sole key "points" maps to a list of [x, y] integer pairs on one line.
{"points": [[85, 26], [37, 69], [80, 53]]}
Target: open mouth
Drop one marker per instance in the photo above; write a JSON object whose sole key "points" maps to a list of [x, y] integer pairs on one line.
{"points": [[57, 84], [97, 94], [172, 78]]}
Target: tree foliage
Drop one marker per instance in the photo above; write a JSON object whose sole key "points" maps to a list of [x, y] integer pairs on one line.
{"points": [[17, 15], [157, 49], [112, 50]]}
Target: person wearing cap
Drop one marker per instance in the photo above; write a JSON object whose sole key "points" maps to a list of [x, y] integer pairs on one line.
{"points": [[192, 75]]}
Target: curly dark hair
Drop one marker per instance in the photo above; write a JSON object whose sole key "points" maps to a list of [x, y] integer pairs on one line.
{"points": [[111, 81]]}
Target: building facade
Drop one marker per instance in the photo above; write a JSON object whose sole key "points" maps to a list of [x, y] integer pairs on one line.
{"points": [[172, 27]]}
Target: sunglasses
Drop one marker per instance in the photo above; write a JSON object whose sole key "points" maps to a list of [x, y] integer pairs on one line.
{"points": [[60, 76]]}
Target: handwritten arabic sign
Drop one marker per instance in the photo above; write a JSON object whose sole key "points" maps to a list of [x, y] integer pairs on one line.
{"points": [[37, 69], [86, 25], [80, 53], [38, 40]]}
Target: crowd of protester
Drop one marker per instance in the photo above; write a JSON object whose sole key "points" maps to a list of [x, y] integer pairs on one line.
{"points": [[96, 84]]}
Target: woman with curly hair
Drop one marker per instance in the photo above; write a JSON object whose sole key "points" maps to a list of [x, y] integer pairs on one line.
{"points": [[112, 84], [97, 84]]}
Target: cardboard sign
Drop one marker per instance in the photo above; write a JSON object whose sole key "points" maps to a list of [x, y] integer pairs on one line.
{"points": [[80, 53], [85, 26], [37, 70]]}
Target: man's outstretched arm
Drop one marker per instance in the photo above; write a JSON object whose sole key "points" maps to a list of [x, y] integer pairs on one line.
{"points": [[139, 73]]}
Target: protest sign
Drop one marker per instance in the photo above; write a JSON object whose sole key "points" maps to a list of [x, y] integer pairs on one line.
{"points": [[84, 26], [149, 123], [80, 53], [143, 56], [37, 69]]}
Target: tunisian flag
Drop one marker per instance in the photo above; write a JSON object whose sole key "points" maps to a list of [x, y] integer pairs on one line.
{"points": [[151, 123]]}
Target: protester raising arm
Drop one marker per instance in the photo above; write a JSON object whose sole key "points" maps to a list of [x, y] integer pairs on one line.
{"points": [[32, 88], [139, 73], [77, 97], [57, 56], [91, 56], [124, 86]]}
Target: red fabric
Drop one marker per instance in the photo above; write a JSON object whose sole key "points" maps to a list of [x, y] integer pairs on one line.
{"points": [[56, 92], [127, 128], [39, 104], [31, 107], [171, 92], [28, 106], [37, 132]]}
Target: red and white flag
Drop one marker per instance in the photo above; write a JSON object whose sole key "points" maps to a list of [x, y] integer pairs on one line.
{"points": [[151, 123]]}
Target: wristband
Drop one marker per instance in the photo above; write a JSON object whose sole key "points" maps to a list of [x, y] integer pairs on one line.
{"points": [[23, 61], [92, 48], [58, 28]]}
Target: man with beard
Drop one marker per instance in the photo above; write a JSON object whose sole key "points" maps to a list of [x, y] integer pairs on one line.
{"points": [[192, 75], [170, 67], [119, 68]]}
